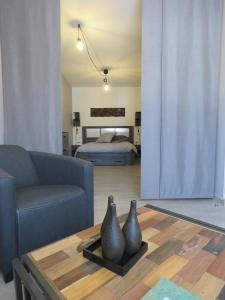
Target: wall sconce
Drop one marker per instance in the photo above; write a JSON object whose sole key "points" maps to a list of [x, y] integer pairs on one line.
{"points": [[138, 119], [138, 123], [76, 121]]}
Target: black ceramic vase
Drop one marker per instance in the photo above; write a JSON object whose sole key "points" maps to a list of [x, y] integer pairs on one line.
{"points": [[113, 243], [105, 221], [132, 231]]}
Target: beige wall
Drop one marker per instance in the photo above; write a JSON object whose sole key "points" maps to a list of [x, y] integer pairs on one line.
{"points": [[85, 98], [67, 110]]}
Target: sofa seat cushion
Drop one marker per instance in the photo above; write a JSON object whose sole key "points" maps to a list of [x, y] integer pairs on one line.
{"points": [[57, 209]]}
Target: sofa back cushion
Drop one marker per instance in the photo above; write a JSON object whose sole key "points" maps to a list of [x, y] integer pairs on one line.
{"points": [[17, 162]]}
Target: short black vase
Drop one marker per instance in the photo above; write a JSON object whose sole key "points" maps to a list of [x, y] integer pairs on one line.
{"points": [[132, 231], [105, 221], [113, 243]]}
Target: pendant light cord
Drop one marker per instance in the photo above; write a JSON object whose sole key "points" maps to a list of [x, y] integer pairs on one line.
{"points": [[89, 54]]}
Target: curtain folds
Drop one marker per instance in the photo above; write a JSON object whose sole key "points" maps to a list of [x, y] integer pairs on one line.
{"points": [[220, 154], [185, 105], [30, 40], [190, 76], [1, 103]]}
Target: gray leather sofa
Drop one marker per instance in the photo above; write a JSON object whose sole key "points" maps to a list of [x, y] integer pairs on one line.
{"points": [[43, 198]]}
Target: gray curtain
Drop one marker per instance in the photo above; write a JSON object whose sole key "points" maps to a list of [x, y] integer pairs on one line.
{"points": [[220, 157], [30, 38], [151, 97], [1, 103], [187, 106], [191, 56]]}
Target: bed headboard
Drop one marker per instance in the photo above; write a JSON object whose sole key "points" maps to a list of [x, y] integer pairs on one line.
{"points": [[91, 133]]}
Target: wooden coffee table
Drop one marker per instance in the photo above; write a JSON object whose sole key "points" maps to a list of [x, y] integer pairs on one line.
{"points": [[188, 253]]}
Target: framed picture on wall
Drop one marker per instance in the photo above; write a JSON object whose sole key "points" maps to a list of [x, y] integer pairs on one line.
{"points": [[107, 112]]}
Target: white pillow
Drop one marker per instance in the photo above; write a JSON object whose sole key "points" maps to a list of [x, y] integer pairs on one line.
{"points": [[105, 138]]}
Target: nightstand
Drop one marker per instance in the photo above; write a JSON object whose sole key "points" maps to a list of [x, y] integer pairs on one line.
{"points": [[138, 150], [74, 149]]}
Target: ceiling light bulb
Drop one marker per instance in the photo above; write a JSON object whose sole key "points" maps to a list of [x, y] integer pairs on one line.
{"points": [[106, 87], [105, 84], [80, 44]]}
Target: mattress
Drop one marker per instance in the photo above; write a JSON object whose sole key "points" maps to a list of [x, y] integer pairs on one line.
{"points": [[107, 147]]}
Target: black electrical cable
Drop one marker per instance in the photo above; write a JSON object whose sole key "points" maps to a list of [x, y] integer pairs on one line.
{"points": [[89, 54], [78, 31]]}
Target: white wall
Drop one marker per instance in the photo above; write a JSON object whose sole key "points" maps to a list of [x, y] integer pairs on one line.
{"points": [[85, 98], [1, 103], [66, 105]]}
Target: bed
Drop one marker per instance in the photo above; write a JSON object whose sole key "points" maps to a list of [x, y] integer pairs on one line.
{"points": [[112, 153]]}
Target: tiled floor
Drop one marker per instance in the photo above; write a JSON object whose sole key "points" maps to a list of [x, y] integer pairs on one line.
{"points": [[206, 210], [120, 181], [123, 183], [6, 290]]}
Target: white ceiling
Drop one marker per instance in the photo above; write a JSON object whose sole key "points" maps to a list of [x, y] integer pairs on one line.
{"points": [[113, 28]]}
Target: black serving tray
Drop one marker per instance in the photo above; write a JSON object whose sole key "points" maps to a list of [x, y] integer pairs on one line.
{"points": [[93, 253]]}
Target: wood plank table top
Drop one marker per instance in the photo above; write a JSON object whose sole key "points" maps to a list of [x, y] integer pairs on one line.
{"points": [[189, 254]]}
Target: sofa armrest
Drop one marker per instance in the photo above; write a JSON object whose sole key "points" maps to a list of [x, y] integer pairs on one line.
{"points": [[59, 169], [8, 237]]}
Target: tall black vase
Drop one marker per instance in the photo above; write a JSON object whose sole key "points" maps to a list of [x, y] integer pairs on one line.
{"points": [[105, 221], [113, 243], [132, 231]]}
